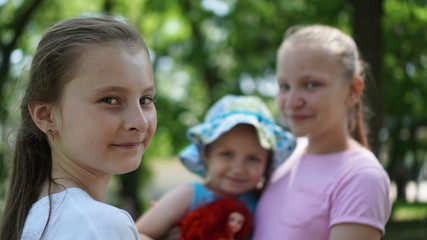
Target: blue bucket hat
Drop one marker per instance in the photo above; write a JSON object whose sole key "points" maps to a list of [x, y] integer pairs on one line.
{"points": [[225, 114]]}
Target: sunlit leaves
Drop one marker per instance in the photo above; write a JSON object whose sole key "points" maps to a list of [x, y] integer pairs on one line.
{"points": [[405, 54]]}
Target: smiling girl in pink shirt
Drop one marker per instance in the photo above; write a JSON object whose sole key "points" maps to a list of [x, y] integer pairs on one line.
{"points": [[332, 187]]}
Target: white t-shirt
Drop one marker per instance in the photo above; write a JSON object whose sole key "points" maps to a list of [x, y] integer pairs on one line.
{"points": [[77, 216]]}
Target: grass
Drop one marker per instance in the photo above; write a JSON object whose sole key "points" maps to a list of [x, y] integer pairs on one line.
{"points": [[408, 222]]}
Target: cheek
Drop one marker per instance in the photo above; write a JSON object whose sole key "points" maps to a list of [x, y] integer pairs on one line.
{"points": [[325, 103], [318, 100], [152, 121], [280, 101], [212, 172], [211, 167], [258, 172], [218, 166]]}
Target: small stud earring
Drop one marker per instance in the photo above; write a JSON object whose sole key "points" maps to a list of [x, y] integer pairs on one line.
{"points": [[51, 133]]}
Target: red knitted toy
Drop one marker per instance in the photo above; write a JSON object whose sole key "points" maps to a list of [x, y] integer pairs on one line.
{"points": [[223, 219]]}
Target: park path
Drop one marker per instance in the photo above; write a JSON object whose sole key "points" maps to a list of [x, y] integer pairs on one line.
{"points": [[168, 174]]}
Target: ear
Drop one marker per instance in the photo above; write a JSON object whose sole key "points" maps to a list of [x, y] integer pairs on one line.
{"points": [[41, 113], [356, 89]]}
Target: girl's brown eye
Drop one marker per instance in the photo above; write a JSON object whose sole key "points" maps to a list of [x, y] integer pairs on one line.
{"points": [[110, 100], [254, 159]]}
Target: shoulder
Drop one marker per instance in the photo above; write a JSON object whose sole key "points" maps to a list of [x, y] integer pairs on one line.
{"points": [[363, 179], [106, 220], [200, 191], [82, 204], [359, 170], [74, 209], [363, 163], [196, 186], [80, 211]]}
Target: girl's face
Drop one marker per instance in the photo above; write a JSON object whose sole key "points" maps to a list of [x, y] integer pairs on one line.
{"points": [[313, 96], [106, 117], [236, 161]]}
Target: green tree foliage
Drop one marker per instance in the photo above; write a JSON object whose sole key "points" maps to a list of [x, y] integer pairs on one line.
{"points": [[405, 88], [203, 49]]}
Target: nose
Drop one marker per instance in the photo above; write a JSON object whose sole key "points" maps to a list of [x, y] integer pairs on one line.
{"points": [[238, 166], [294, 99], [136, 119]]}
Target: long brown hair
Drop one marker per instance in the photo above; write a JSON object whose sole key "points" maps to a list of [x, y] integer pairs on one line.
{"points": [[55, 62], [345, 49]]}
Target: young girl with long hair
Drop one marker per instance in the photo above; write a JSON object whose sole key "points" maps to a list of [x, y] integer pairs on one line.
{"points": [[87, 114]]}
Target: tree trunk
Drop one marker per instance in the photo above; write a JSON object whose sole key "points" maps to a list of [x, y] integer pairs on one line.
{"points": [[16, 27], [130, 201], [367, 32]]}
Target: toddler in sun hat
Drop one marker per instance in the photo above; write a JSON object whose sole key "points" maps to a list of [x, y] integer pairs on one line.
{"points": [[225, 114], [234, 151]]}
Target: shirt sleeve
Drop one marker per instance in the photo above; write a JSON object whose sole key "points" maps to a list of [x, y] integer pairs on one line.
{"points": [[362, 197]]}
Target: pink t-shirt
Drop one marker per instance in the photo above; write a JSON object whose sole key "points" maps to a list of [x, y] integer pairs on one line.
{"points": [[310, 193]]}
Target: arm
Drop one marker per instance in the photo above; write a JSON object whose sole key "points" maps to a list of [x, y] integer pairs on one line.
{"points": [[353, 231], [165, 214], [144, 237]]}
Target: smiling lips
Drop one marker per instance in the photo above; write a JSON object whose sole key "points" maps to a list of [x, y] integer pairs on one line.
{"points": [[236, 180], [297, 118], [128, 145]]}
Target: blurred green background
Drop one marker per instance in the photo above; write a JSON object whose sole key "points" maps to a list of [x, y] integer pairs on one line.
{"points": [[203, 49]]}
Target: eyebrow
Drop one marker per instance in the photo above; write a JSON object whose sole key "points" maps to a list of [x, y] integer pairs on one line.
{"points": [[306, 76], [108, 89], [315, 74]]}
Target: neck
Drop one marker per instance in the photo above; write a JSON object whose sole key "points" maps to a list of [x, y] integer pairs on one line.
{"points": [[94, 184], [330, 142], [211, 188]]}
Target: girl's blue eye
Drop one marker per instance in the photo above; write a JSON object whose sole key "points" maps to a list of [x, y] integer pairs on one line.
{"points": [[312, 85], [146, 100], [284, 87], [110, 100]]}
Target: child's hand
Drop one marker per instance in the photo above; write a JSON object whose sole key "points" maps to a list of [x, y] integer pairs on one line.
{"points": [[173, 234]]}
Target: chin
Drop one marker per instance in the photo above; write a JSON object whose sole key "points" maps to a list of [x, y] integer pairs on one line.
{"points": [[299, 133], [129, 167]]}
